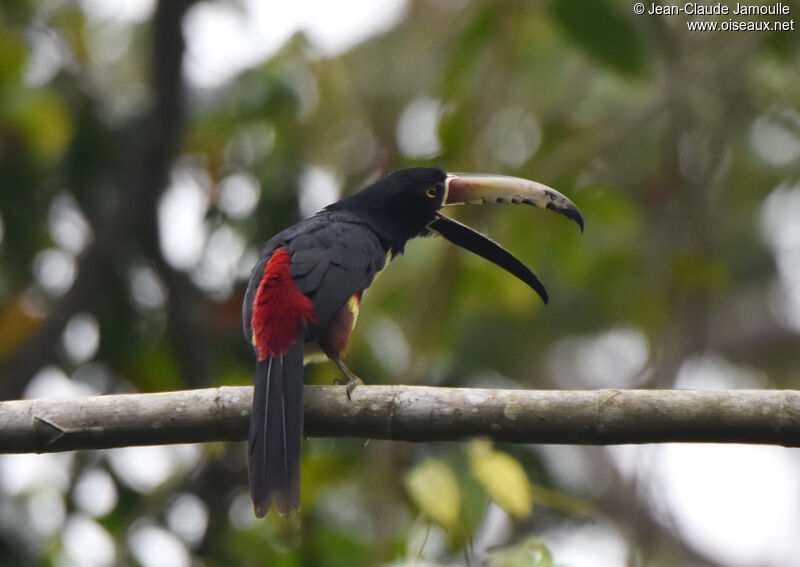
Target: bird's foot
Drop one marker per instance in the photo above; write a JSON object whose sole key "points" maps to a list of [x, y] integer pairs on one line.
{"points": [[351, 383], [350, 380]]}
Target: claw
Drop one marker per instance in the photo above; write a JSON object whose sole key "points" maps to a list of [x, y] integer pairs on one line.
{"points": [[351, 380], [351, 384]]}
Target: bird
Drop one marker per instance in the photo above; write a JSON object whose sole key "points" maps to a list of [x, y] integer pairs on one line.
{"points": [[305, 292]]}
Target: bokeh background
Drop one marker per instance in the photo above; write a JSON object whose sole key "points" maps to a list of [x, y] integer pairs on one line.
{"points": [[148, 149]]}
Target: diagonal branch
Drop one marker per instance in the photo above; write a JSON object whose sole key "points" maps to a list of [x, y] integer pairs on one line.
{"points": [[411, 413]]}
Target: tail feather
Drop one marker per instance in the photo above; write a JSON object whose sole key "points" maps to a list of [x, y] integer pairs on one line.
{"points": [[276, 432]]}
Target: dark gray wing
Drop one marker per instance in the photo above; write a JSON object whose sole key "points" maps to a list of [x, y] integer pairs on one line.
{"points": [[336, 258]]}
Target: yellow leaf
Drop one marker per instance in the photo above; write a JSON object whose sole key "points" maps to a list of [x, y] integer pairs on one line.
{"points": [[564, 503], [16, 325], [434, 489], [503, 478], [45, 123]]}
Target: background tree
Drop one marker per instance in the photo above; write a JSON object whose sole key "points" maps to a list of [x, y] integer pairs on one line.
{"points": [[133, 202]]}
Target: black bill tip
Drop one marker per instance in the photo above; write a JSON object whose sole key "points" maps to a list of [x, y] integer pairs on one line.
{"points": [[570, 211]]}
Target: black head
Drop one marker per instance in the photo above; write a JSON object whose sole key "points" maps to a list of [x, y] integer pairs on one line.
{"points": [[406, 203], [401, 205]]}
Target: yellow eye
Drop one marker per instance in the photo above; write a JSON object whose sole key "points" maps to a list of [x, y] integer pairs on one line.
{"points": [[432, 192]]}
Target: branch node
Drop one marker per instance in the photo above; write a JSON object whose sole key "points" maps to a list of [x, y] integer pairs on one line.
{"points": [[46, 433]]}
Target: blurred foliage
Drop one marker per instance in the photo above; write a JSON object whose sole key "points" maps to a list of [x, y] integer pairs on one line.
{"points": [[529, 553], [434, 489], [669, 141], [502, 477]]}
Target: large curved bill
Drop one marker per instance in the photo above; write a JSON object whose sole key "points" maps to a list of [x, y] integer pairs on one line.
{"points": [[477, 188], [463, 236]]}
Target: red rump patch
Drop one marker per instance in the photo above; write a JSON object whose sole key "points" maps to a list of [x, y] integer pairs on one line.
{"points": [[279, 309]]}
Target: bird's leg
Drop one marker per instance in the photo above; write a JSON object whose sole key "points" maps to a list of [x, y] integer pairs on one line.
{"points": [[352, 380]]}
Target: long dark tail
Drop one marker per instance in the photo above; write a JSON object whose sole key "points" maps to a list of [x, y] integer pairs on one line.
{"points": [[276, 432]]}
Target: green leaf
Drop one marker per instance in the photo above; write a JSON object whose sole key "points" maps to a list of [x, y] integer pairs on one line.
{"points": [[603, 32], [434, 489], [699, 272], [564, 503], [468, 49], [45, 122], [12, 56], [503, 478], [531, 552]]}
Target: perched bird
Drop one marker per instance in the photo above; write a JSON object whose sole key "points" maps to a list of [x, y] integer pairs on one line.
{"points": [[305, 291]]}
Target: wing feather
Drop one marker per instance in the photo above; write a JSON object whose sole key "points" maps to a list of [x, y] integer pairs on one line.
{"points": [[345, 258]]}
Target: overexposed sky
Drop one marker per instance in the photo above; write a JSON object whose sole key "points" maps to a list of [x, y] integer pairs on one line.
{"points": [[225, 38]]}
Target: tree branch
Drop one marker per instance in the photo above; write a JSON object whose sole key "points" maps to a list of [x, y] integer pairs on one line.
{"points": [[411, 413]]}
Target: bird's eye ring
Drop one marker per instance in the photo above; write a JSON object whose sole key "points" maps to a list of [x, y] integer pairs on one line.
{"points": [[432, 192]]}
